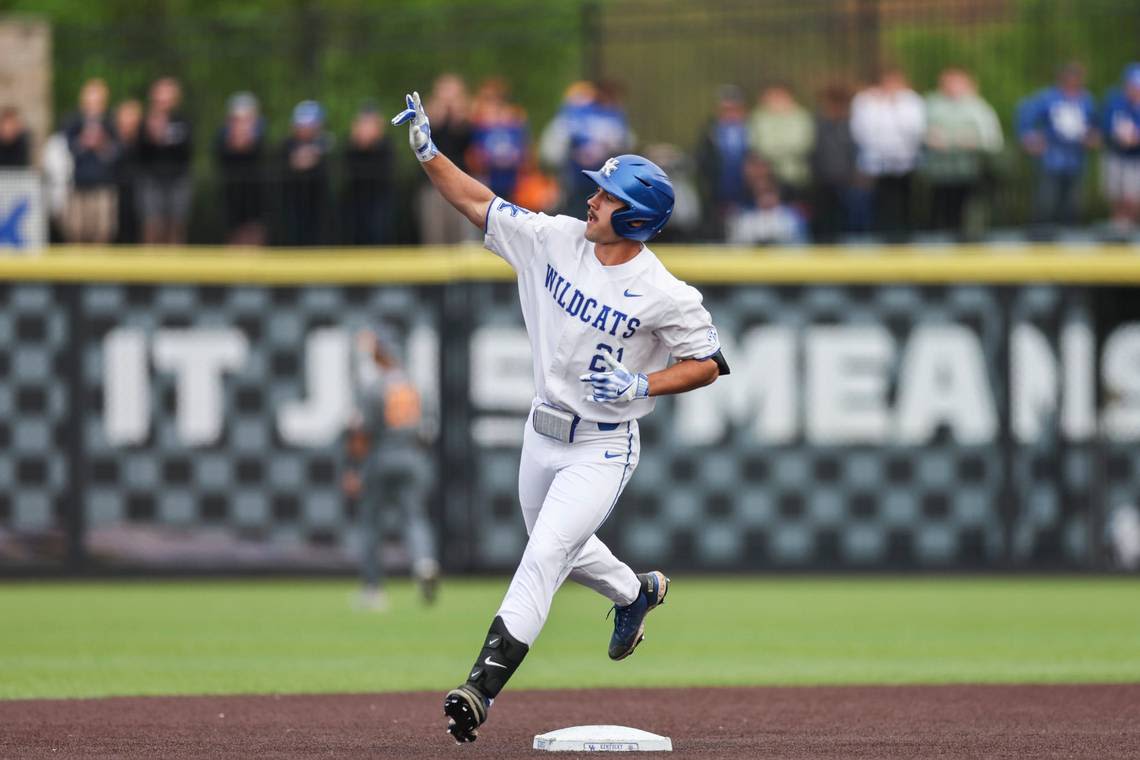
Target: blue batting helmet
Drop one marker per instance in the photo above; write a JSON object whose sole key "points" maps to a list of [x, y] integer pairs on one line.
{"points": [[642, 186]]}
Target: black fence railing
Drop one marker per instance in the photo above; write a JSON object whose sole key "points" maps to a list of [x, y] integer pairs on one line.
{"points": [[666, 61]]}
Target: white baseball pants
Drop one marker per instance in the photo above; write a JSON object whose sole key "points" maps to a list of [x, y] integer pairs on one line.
{"points": [[567, 490]]}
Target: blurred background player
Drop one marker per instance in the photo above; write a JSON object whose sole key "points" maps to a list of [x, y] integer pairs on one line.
{"points": [[387, 472]]}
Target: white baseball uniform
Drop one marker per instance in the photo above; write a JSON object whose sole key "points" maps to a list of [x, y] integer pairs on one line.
{"points": [[575, 308]]}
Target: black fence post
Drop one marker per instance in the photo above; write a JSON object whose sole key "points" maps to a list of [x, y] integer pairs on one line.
{"points": [[591, 31], [867, 16], [75, 491]]}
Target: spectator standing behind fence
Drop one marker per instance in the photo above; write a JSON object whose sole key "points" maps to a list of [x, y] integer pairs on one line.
{"points": [[499, 139], [832, 163], [765, 219], [720, 161], [304, 181], [888, 124], [128, 128], [92, 213], [239, 150], [388, 467], [164, 192], [782, 132], [590, 127], [449, 107], [368, 179], [14, 150], [963, 135], [1056, 126], [1121, 172]]}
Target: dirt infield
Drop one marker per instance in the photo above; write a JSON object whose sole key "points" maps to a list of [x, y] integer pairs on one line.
{"points": [[842, 722]]}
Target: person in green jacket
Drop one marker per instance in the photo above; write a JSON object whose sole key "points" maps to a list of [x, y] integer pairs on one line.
{"points": [[962, 136], [782, 132]]}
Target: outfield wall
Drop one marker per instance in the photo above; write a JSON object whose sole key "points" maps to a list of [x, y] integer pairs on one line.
{"points": [[887, 410]]}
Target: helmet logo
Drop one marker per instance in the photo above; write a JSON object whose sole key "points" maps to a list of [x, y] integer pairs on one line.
{"points": [[609, 167]]}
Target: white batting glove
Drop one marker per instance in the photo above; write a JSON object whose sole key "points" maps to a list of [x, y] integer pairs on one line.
{"points": [[419, 130], [619, 384]]}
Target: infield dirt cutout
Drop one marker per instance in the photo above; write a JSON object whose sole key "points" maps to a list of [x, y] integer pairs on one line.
{"points": [[1085, 721]]}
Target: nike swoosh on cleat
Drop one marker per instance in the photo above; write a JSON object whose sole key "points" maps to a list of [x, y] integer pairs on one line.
{"points": [[627, 294], [493, 664], [493, 642], [608, 455]]}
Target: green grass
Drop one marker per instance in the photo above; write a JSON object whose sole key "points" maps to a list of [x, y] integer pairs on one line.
{"points": [[94, 639]]}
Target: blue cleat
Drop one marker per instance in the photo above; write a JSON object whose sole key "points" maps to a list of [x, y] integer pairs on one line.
{"points": [[629, 621]]}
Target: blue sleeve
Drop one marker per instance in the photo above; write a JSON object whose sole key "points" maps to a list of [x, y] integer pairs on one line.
{"points": [[1029, 114]]}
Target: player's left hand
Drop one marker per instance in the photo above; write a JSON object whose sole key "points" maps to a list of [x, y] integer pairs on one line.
{"points": [[619, 384]]}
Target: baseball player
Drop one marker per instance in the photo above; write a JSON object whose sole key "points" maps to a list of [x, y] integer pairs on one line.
{"points": [[604, 317], [387, 466]]}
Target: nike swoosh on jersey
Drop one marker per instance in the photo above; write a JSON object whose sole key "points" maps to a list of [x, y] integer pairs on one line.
{"points": [[608, 455], [627, 294], [493, 664]]}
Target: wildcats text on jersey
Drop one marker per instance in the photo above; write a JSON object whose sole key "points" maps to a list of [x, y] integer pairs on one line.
{"points": [[606, 319]]}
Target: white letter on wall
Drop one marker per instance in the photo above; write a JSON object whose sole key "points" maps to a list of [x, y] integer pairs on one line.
{"points": [[943, 382], [1033, 382], [320, 418], [847, 370], [126, 386], [1120, 366], [199, 357], [760, 389]]}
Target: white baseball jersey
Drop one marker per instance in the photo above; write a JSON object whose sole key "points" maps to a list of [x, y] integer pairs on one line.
{"points": [[575, 308]]}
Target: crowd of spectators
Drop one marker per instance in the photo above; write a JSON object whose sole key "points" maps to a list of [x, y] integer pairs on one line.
{"points": [[883, 161]]}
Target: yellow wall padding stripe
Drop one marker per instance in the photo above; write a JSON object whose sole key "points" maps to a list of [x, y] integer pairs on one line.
{"points": [[698, 264]]}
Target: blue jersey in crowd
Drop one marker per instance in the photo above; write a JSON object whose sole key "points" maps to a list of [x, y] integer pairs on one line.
{"points": [[502, 146], [731, 138], [1064, 121], [1121, 124]]}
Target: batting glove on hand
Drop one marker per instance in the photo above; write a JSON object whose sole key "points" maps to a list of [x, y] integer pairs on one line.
{"points": [[619, 384], [419, 130]]}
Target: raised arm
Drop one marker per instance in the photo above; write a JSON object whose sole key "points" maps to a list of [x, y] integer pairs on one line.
{"points": [[469, 196]]}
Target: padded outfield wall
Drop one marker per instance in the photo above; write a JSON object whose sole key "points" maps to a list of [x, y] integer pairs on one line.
{"points": [[887, 410]]}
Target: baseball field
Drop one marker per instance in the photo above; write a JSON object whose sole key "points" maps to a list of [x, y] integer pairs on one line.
{"points": [[731, 667]]}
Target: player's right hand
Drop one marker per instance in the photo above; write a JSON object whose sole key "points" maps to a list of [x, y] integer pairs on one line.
{"points": [[419, 130]]}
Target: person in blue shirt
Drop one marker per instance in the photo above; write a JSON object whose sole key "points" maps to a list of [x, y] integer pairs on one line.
{"points": [[1121, 171], [499, 139], [1056, 126], [720, 161], [590, 127]]}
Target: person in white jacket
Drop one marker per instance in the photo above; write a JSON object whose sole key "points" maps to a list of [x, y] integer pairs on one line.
{"points": [[888, 123]]}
